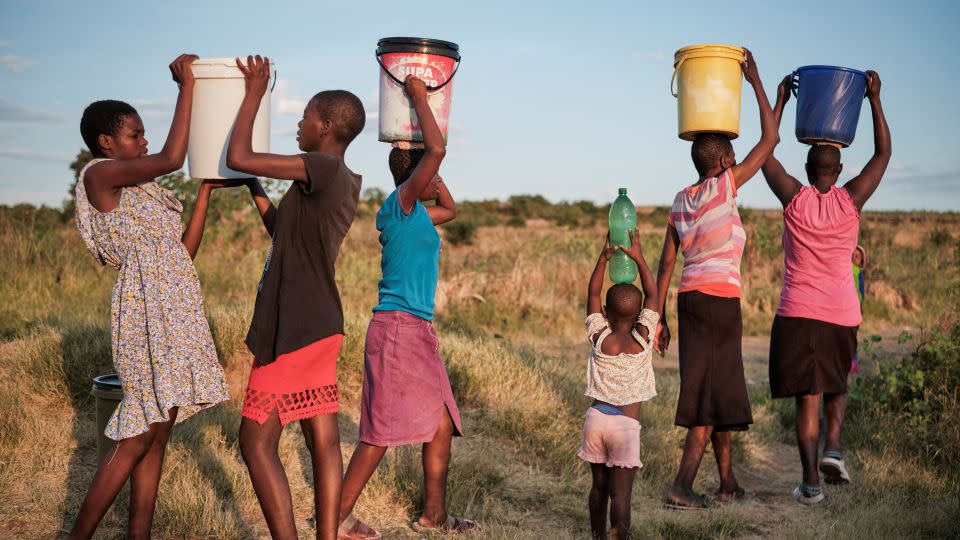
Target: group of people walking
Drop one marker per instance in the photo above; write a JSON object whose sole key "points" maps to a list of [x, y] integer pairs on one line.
{"points": [[813, 339], [164, 354]]}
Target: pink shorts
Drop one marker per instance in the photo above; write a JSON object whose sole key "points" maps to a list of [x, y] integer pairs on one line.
{"points": [[613, 440]]}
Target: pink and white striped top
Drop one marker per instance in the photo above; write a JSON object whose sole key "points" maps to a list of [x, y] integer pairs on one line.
{"points": [[711, 236]]}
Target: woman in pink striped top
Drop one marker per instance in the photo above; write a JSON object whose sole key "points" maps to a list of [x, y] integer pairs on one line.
{"points": [[705, 225], [814, 335]]}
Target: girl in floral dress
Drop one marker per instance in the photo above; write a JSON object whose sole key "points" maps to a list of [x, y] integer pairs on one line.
{"points": [[163, 351]]}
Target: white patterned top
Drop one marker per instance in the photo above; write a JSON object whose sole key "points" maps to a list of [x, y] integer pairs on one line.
{"points": [[623, 378]]}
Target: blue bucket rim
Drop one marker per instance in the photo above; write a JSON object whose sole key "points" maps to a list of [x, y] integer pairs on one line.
{"points": [[837, 68], [108, 381]]}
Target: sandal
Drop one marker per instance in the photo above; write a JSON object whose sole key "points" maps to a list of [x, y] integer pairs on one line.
{"points": [[451, 525], [354, 529], [697, 502], [729, 496]]}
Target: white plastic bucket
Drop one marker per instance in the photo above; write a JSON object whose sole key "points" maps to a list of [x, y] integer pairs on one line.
{"points": [[217, 95], [432, 60]]}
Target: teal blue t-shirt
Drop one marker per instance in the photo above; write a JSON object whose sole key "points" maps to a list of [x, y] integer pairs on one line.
{"points": [[409, 259]]}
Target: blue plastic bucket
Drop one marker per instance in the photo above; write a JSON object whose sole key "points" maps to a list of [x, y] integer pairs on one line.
{"points": [[828, 103]]}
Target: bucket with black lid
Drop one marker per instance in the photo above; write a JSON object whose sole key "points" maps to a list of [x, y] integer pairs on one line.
{"points": [[108, 394], [433, 61]]}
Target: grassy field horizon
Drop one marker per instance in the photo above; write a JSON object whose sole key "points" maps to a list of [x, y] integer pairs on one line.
{"points": [[510, 311]]}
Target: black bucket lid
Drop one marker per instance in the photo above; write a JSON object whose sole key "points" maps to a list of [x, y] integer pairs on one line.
{"points": [[109, 381], [418, 45]]}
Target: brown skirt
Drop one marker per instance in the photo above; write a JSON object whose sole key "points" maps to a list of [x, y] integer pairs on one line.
{"points": [[713, 391], [808, 356]]}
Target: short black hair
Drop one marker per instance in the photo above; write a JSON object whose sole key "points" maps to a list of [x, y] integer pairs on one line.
{"points": [[707, 149], [624, 301], [402, 163], [823, 159], [345, 110], [103, 118]]}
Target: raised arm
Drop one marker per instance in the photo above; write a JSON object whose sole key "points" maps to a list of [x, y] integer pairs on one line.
{"points": [[596, 279], [434, 147], [863, 186], [444, 209], [647, 283], [107, 177], [265, 207], [193, 234], [240, 154], [668, 258], [784, 186], [769, 132]]}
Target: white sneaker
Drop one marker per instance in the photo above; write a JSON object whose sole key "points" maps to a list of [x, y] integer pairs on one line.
{"points": [[834, 471], [805, 499]]}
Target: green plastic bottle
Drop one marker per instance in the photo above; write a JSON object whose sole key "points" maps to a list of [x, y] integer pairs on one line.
{"points": [[623, 217]]}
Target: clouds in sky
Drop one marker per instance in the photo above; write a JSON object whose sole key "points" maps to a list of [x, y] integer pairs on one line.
{"points": [[28, 155], [13, 112], [14, 63]]}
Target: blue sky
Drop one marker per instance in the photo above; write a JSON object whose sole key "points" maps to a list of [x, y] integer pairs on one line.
{"points": [[565, 99]]}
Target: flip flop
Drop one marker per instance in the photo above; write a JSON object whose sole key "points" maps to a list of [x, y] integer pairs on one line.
{"points": [[451, 525], [354, 529], [698, 502], [729, 496]]}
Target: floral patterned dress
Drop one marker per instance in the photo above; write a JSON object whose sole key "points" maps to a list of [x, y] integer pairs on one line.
{"points": [[163, 351]]}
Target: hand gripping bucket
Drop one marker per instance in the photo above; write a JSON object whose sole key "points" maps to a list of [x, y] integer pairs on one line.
{"points": [[107, 394], [431, 60], [828, 104], [217, 95], [708, 80]]}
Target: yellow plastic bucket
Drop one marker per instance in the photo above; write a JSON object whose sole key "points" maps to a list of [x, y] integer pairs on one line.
{"points": [[709, 81]]}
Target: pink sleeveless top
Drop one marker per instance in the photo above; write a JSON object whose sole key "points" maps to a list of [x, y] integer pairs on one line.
{"points": [[819, 236]]}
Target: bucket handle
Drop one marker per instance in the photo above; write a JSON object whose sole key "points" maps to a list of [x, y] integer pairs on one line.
{"points": [[429, 88], [794, 83], [674, 78], [677, 69]]}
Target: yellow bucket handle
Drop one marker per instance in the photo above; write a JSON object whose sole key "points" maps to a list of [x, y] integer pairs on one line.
{"points": [[674, 78], [677, 68]]}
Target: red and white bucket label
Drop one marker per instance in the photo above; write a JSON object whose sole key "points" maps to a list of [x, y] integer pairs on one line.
{"points": [[398, 121]]}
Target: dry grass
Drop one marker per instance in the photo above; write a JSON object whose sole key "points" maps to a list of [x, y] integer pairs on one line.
{"points": [[511, 331]]}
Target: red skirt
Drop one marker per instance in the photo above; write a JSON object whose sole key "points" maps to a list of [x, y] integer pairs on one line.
{"points": [[299, 385]]}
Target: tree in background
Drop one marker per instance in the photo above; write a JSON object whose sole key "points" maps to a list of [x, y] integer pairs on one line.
{"points": [[83, 157]]}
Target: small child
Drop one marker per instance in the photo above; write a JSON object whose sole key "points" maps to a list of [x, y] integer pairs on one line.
{"points": [[163, 351], [297, 327], [704, 223], [619, 378], [859, 260]]}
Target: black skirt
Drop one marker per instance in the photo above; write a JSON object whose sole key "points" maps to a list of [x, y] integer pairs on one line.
{"points": [[808, 356], [713, 391]]}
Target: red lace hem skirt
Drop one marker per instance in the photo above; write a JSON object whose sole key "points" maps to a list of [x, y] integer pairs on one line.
{"points": [[299, 385]]}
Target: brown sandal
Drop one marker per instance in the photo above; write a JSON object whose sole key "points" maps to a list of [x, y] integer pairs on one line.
{"points": [[452, 525], [729, 496], [354, 529], [697, 502]]}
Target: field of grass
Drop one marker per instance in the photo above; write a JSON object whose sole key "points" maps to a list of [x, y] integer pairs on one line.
{"points": [[510, 323]]}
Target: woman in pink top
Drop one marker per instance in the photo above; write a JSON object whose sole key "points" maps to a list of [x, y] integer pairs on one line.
{"points": [[814, 335]]}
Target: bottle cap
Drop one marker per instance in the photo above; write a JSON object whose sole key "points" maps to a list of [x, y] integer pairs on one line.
{"points": [[623, 191]]}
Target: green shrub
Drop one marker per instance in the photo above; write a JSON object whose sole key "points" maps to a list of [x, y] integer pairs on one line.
{"points": [[459, 232], [918, 396]]}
